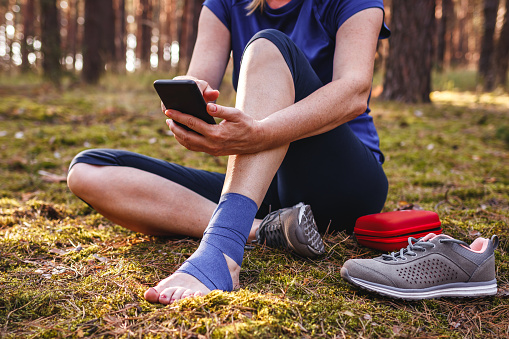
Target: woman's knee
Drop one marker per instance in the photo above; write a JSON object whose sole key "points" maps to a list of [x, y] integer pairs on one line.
{"points": [[272, 39], [83, 177], [261, 53]]}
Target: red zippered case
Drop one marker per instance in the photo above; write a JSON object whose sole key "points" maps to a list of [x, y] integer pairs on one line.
{"points": [[390, 231]]}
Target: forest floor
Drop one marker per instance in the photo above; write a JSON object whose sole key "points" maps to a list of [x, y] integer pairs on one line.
{"points": [[65, 271]]}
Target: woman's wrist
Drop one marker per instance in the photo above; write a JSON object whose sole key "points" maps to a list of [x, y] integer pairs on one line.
{"points": [[265, 139]]}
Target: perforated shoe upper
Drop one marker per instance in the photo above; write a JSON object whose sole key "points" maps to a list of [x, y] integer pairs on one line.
{"points": [[426, 263]]}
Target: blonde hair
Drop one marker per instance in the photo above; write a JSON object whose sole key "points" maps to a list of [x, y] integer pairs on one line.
{"points": [[254, 5]]}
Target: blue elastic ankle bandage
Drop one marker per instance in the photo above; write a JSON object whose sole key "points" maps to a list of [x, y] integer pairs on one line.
{"points": [[226, 233]]}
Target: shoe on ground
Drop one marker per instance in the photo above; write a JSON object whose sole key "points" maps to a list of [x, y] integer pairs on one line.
{"points": [[430, 267], [293, 228]]}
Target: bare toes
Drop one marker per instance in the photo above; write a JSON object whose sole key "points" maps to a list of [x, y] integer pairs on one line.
{"points": [[175, 287], [177, 295], [189, 294], [166, 296], [151, 295]]}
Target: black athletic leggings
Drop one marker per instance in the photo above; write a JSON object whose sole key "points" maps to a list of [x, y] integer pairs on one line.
{"points": [[333, 172]]}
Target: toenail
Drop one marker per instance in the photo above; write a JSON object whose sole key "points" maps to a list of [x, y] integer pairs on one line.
{"points": [[163, 296]]}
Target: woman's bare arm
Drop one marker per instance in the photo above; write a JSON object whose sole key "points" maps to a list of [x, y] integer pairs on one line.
{"points": [[346, 96], [211, 53]]}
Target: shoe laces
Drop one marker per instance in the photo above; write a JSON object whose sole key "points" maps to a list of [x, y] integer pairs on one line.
{"points": [[419, 246], [271, 233]]}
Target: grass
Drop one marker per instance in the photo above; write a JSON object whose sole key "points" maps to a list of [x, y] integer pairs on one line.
{"points": [[65, 271]]}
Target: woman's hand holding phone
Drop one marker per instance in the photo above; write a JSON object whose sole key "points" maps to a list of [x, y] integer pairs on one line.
{"points": [[187, 102], [237, 133]]}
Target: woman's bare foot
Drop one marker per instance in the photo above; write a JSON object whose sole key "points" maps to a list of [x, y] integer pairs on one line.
{"points": [[181, 285]]}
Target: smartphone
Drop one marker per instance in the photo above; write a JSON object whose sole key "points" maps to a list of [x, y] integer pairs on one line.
{"points": [[183, 96]]}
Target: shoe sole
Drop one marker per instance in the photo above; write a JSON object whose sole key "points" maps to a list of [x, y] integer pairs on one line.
{"points": [[306, 228], [457, 290]]}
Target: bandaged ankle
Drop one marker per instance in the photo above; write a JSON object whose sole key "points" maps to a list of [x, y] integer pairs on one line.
{"points": [[227, 234]]}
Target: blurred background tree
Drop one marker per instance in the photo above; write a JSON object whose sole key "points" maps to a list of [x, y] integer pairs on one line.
{"points": [[50, 35], [439, 35], [88, 38], [490, 10], [408, 71]]}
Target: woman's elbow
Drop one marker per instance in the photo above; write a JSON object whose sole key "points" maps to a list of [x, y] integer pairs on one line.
{"points": [[362, 97], [360, 106]]}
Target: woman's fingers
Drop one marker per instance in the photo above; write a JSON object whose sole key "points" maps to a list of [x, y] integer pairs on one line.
{"points": [[236, 134], [190, 140], [223, 112], [209, 94], [194, 123]]}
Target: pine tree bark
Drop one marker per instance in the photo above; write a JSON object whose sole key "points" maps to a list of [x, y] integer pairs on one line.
{"points": [[172, 28], [190, 16], [70, 38], [502, 51], [120, 39], [28, 32], [162, 24], [443, 33], [50, 39], [486, 73], [108, 32], [93, 64], [408, 71], [144, 35], [75, 28]]}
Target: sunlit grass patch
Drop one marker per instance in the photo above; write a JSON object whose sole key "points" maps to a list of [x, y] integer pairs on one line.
{"points": [[472, 99]]}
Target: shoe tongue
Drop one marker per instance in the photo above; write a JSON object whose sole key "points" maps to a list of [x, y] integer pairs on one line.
{"points": [[429, 237]]}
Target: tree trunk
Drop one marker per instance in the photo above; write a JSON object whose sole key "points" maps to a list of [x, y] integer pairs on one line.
{"points": [[190, 16], [50, 39], [120, 40], [490, 10], [461, 33], [172, 28], [161, 43], [93, 64], [78, 32], [71, 31], [144, 35], [502, 52], [408, 72], [108, 32], [28, 32], [443, 32]]}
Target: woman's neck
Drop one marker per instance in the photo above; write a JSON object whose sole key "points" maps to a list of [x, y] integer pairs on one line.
{"points": [[275, 4]]}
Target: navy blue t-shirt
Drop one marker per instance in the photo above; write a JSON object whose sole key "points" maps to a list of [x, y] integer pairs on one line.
{"points": [[312, 25]]}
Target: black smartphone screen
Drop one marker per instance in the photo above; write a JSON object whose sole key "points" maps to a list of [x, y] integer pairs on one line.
{"points": [[183, 96]]}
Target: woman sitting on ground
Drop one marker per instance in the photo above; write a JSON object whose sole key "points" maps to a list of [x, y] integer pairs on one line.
{"points": [[300, 132]]}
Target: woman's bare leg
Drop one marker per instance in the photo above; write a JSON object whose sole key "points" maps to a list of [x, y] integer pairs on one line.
{"points": [[142, 201], [265, 86]]}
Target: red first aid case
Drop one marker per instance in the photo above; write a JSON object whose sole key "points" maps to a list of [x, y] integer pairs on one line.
{"points": [[390, 231]]}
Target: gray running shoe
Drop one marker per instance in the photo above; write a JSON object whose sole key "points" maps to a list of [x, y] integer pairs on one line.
{"points": [[430, 267], [294, 228]]}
